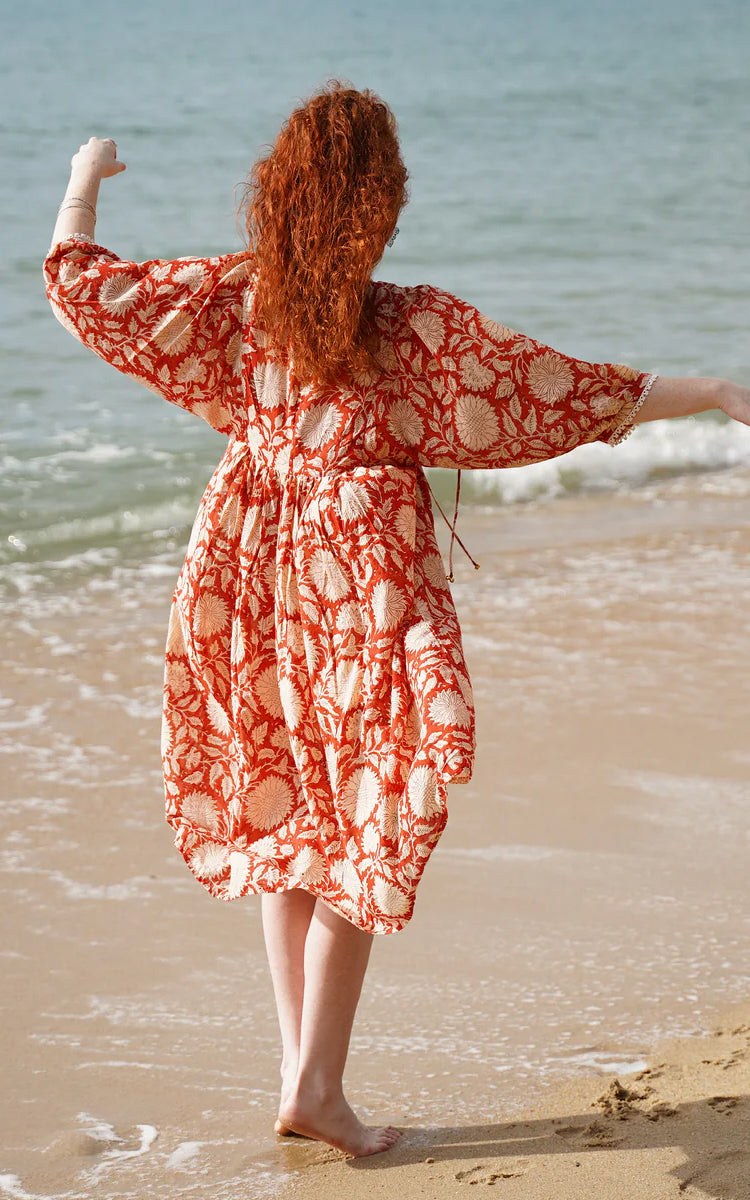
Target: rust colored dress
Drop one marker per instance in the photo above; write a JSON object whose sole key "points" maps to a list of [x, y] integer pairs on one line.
{"points": [[316, 699]]}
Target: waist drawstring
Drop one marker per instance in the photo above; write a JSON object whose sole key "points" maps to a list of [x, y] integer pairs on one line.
{"points": [[452, 526]]}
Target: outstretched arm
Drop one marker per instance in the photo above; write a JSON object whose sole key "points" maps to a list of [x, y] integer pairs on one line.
{"points": [[670, 396], [94, 161]]}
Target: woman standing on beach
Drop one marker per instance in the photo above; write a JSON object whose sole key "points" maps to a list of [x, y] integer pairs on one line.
{"points": [[316, 697]]}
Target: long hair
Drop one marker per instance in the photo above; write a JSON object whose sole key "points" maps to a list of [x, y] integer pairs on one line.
{"points": [[319, 209]]}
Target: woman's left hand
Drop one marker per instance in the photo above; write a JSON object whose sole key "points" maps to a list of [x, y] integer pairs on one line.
{"points": [[100, 155], [735, 402]]}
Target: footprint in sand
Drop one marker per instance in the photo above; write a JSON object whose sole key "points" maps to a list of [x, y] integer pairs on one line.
{"points": [[481, 1173], [600, 1136], [723, 1104], [569, 1131], [724, 1175]]}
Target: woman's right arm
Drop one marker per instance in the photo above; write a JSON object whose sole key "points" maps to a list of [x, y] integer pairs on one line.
{"points": [[671, 396]]}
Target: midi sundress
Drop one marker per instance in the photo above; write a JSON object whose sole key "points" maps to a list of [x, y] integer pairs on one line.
{"points": [[316, 699]]}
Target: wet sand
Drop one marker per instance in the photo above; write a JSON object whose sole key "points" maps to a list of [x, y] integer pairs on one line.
{"points": [[589, 896]]}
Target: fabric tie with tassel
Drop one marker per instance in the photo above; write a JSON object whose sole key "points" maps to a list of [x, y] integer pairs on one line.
{"points": [[452, 526]]}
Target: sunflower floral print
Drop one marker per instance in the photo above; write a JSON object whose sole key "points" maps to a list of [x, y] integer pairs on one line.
{"points": [[316, 700]]}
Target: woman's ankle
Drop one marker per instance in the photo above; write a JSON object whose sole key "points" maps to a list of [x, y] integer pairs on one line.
{"points": [[317, 1085]]}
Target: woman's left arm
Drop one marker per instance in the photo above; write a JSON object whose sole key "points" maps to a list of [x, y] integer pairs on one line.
{"points": [[672, 396], [94, 161]]}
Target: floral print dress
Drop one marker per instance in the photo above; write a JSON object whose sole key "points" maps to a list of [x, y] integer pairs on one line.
{"points": [[316, 700]]}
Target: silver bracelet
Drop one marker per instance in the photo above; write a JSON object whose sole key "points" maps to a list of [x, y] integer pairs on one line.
{"points": [[67, 204]]}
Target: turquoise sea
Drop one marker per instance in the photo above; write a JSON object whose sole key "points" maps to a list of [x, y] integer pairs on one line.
{"points": [[579, 170]]}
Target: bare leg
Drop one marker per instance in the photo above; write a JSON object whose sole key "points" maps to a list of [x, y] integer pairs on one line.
{"points": [[335, 960], [286, 919]]}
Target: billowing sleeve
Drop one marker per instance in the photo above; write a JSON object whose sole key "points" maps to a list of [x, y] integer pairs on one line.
{"points": [[477, 394], [175, 326]]}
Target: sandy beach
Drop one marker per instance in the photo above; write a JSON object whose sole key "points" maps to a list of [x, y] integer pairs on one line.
{"points": [[587, 903], [678, 1127]]}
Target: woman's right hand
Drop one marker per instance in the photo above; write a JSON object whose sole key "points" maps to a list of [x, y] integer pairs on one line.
{"points": [[98, 155]]}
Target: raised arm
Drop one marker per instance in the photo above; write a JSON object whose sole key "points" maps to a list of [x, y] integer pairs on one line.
{"points": [[96, 160], [174, 326]]}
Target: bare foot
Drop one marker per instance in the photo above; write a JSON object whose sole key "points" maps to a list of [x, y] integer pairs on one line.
{"points": [[287, 1086], [331, 1120]]}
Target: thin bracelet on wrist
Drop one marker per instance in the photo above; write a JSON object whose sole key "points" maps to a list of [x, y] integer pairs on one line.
{"points": [[80, 200]]}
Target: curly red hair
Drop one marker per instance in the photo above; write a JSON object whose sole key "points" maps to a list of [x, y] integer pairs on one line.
{"points": [[319, 209]]}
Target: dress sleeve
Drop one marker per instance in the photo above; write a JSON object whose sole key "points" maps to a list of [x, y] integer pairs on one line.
{"points": [[481, 395], [174, 326]]}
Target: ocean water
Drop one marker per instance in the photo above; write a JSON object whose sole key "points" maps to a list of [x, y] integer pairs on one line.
{"points": [[578, 171]]}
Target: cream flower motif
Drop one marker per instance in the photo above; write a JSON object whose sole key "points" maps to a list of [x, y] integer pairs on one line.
{"points": [[266, 688], [501, 333], [290, 703], [269, 803], [368, 793], [217, 715], [348, 681], [251, 528], [230, 513], [388, 604], [448, 708], [346, 873], [332, 765], [209, 861], [405, 522], [605, 405], [429, 327], [353, 501], [119, 293], [385, 355], [211, 614], [270, 384], [309, 865], [423, 794], [239, 870], [177, 677], [200, 809], [318, 425], [419, 637], [192, 370], [174, 333], [359, 795], [328, 575], [390, 900], [473, 374], [192, 274], [549, 377], [476, 422], [354, 728], [233, 353], [265, 847], [389, 818], [349, 616], [434, 571], [405, 423], [166, 737]]}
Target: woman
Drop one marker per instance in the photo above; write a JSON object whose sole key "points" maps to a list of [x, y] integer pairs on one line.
{"points": [[316, 698]]}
